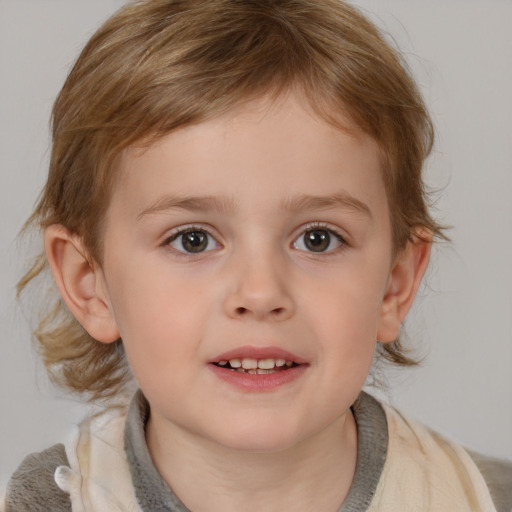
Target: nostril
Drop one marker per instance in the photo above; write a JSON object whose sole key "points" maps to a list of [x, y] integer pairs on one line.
{"points": [[260, 312], [276, 312]]}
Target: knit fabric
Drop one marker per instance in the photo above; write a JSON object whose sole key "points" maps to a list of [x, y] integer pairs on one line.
{"points": [[32, 488], [401, 465]]}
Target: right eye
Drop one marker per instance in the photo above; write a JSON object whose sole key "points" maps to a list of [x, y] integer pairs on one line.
{"points": [[319, 239], [192, 241]]}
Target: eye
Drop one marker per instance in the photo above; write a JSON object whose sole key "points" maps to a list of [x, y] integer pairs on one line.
{"points": [[318, 240], [192, 241]]}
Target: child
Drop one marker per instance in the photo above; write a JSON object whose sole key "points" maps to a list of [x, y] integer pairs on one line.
{"points": [[234, 216]]}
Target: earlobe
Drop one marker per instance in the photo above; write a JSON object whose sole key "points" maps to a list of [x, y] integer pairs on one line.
{"points": [[81, 283], [404, 281]]}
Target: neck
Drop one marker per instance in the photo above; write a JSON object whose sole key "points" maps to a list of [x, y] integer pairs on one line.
{"points": [[313, 475]]}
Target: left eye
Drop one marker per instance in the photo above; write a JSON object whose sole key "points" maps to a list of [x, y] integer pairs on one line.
{"points": [[193, 241], [318, 240]]}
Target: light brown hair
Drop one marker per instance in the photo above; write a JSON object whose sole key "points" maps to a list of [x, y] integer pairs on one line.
{"points": [[159, 65]]}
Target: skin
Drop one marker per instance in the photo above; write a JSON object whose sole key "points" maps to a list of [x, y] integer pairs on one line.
{"points": [[269, 168]]}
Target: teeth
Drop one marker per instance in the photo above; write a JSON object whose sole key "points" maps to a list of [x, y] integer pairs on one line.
{"points": [[249, 364], [266, 364], [253, 364], [254, 371]]}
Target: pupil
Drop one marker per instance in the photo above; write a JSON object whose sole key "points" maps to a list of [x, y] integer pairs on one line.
{"points": [[317, 240], [195, 241]]}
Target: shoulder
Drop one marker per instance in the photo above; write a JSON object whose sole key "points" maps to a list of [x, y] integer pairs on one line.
{"points": [[498, 476], [32, 487], [447, 466]]}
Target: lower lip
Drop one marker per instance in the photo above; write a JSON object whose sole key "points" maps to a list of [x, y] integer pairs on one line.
{"points": [[259, 383]]}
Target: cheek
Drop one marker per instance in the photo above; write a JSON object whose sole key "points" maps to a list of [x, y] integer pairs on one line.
{"points": [[347, 301], [343, 314], [151, 294], [160, 318]]}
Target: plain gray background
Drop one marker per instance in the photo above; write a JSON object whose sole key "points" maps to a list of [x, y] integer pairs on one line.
{"points": [[461, 54]]}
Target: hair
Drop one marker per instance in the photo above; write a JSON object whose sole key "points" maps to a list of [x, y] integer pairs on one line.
{"points": [[159, 65]]}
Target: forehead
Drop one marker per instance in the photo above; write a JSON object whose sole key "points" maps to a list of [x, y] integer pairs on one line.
{"points": [[263, 150]]}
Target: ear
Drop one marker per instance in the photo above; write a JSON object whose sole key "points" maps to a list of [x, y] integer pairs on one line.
{"points": [[81, 283], [404, 281]]}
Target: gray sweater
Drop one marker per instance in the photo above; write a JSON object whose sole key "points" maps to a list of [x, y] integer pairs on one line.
{"points": [[32, 487]]}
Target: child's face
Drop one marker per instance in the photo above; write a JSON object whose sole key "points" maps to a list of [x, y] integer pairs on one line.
{"points": [[262, 234]]}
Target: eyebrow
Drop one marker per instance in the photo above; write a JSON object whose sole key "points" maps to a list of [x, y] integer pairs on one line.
{"points": [[340, 199], [191, 203], [227, 205]]}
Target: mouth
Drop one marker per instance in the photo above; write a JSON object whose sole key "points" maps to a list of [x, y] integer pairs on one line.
{"points": [[258, 369], [256, 366]]}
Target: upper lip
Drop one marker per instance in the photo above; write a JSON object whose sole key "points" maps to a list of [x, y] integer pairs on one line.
{"points": [[252, 352]]}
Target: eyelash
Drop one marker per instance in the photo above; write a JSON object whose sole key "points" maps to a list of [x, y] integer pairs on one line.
{"points": [[179, 232], [320, 226]]}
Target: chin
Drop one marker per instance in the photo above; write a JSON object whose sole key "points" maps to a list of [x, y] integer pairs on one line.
{"points": [[259, 436]]}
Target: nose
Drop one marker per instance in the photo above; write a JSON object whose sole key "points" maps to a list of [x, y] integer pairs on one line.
{"points": [[259, 288]]}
